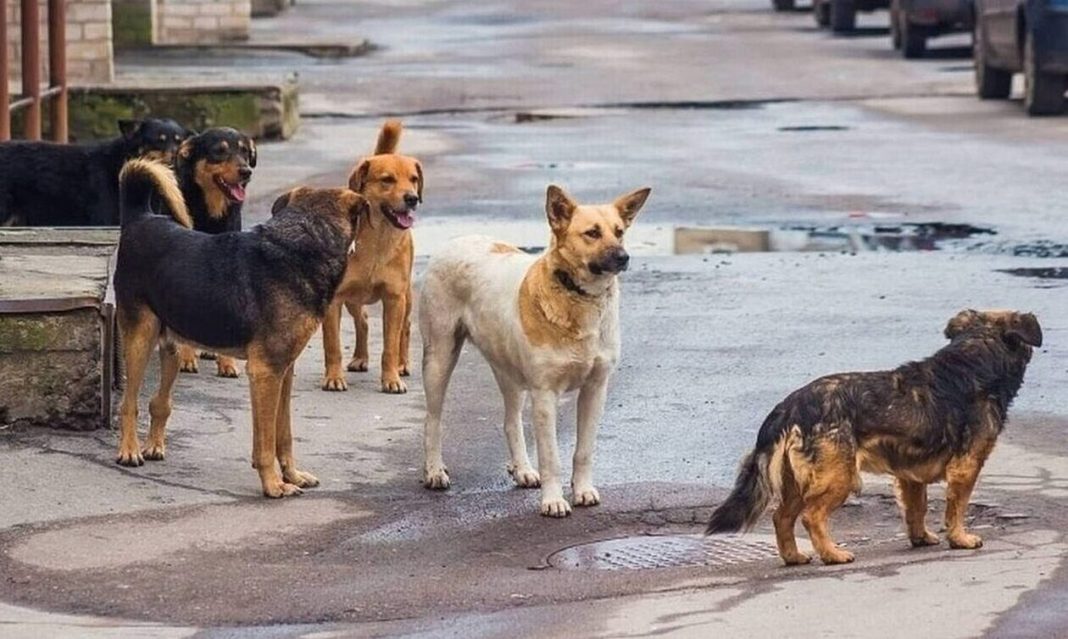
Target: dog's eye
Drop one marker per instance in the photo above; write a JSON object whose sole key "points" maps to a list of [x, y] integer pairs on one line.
{"points": [[594, 233], [414, 179], [619, 232], [388, 179]]}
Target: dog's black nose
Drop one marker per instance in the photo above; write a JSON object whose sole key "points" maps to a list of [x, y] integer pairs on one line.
{"points": [[244, 172], [622, 259], [411, 199]]}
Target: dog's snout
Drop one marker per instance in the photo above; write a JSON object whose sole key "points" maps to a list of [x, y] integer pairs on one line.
{"points": [[411, 200], [620, 259], [244, 172]]}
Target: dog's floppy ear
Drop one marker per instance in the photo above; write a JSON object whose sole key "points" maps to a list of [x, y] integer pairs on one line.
{"points": [[282, 202], [1025, 327], [630, 204], [356, 205], [129, 128], [558, 207], [961, 322], [251, 152], [185, 149], [358, 177], [419, 171]]}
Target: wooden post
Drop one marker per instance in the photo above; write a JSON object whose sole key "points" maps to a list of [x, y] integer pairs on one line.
{"points": [[57, 66], [31, 67], [5, 99]]}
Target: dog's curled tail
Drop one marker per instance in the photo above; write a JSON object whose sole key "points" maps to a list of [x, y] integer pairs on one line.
{"points": [[142, 182], [389, 137]]}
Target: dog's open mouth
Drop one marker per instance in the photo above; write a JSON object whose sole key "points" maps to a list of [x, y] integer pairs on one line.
{"points": [[235, 192], [400, 219]]}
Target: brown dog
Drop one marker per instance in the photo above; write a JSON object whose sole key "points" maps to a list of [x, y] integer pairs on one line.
{"points": [[381, 270], [923, 422]]}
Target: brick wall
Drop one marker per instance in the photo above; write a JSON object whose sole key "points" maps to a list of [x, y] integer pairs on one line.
{"points": [[89, 52], [201, 21]]}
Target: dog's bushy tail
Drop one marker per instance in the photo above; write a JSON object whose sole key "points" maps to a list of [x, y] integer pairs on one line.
{"points": [[389, 137], [757, 482], [143, 182]]}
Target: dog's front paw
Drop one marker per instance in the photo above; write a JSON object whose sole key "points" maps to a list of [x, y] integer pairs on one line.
{"points": [[555, 507], [335, 383], [585, 496], [796, 559], [277, 489], [393, 385], [357, 365], [300, 478], [436, 477], [928, 539], [188, 363], [154, 451], [965, 541], [524, 476], [226, 367], [130, 455], [837, 556]]}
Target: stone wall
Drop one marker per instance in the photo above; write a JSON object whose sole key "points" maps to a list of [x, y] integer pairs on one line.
{"points": [[89, 50], [202, 21]]}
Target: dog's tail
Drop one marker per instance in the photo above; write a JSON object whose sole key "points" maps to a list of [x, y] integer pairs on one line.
{"points": [[759, 479], [143, 182], [389, 137]]}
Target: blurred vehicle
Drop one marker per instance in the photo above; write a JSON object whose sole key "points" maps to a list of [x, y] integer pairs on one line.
{"points": [[912, 22], [841, 15], [1029, 36]]}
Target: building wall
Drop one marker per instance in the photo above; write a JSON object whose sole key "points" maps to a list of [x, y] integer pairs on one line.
{"points": [[202, 21], [89, 51]]}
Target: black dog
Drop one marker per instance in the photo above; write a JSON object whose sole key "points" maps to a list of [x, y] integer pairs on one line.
{"points": [[258, 295], [48, 184], [213, 169]]}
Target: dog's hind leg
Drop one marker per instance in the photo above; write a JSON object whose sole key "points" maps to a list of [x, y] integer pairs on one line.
{"points": [[590, 409], [442, 342], [266, 384], [785, 519], [406, 336], [140, 334], [334, 379], [545, 404], [226, 367], [961, 474], [912, 498], [519, 466], [187, 359], [831, 476], [361, 354], [284, 438], [160, 406]]}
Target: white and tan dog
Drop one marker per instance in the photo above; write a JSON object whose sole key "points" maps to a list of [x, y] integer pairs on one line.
{"points": [[546, 325]]}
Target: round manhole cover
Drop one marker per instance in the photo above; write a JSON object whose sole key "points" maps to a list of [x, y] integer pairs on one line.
{"points": [[634, 553]]}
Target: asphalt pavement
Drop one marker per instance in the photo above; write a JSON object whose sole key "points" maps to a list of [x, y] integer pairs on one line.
{"points": [[736, 117]]}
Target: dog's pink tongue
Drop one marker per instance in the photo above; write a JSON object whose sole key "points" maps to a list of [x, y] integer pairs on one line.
{"points": [[237, 192], [405, 220]]}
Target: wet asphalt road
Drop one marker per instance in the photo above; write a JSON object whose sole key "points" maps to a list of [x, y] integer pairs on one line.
{"points": [[734, 116]]}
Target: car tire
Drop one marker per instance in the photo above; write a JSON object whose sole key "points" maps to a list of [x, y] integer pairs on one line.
{"points": [[783, 5], [895, 25], [913, 39], [991, 83], [843, 16], [821, 11], [1043, 92]]}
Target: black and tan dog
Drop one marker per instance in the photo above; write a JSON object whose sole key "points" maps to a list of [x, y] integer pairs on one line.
{"points": [[257, 295], [213, 169], [924, 422], [48, 184]]}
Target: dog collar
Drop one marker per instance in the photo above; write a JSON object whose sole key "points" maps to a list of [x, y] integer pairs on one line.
{"points": [[565, 280]]}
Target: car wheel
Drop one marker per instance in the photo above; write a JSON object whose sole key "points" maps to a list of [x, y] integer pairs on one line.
{"points": [[783, 5], [1043, 92], [913, 39], [843, 16], [895, 26], [990, 83], [822, 12]]}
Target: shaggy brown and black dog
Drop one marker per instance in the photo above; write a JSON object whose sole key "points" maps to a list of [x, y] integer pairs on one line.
{"points": [[923, 422]]}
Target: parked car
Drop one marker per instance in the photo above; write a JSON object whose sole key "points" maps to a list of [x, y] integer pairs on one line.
{"points": [[1029, 36], [912, 22], [841, 15]]}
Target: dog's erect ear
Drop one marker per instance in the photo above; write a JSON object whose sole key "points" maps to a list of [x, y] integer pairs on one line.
{"points": [[558, 207], [961, 322], [251, 152], [1024, 327], [358, 177], [419, 171], [129, 128], [630, 204], [282, 202]]}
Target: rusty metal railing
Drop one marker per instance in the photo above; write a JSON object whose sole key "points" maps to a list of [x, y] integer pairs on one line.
{"points": [[33, 97]]}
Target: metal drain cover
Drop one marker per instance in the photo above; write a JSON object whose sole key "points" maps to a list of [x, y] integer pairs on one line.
{"points": [[636, 553]]}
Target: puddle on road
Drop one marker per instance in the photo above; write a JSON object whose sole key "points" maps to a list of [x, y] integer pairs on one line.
{"points": [[1048, 277]]}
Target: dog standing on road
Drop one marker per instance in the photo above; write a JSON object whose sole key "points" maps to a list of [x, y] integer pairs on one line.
{"points": [[382, 269], [923, 422], [546, 325], [258, 295]]}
